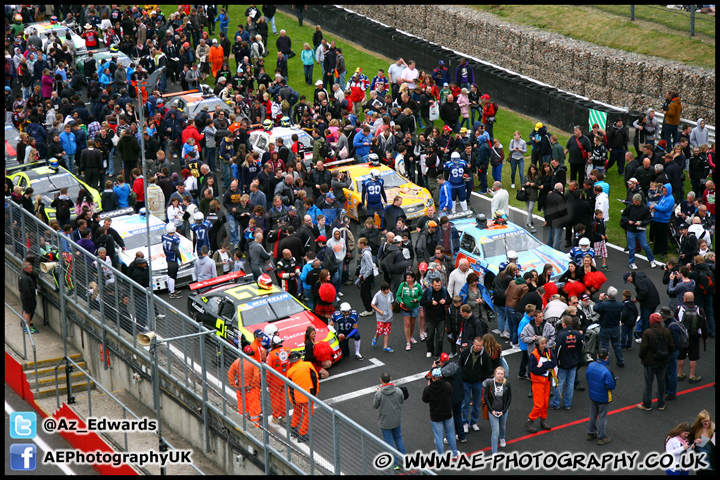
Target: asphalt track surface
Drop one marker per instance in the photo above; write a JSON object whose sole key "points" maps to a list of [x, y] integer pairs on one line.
{"points": [[352, 383]]}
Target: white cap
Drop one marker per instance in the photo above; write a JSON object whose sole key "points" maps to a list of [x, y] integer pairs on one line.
{"points": [[319, 82], [633, 180]]}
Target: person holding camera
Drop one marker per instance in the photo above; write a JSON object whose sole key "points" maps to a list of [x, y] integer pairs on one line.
{"points": [[601, 383]]}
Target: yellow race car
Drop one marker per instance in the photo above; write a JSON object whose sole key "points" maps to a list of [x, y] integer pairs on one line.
{"points": [[415, 199]]}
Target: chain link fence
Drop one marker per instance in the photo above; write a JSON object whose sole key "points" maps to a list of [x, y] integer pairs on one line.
{"points": [[198, 365]]}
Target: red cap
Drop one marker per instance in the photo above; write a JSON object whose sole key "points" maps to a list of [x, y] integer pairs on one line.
{"points": [[446, 128], [485, 97], [444, 357], [249, 350], [321, 238]]}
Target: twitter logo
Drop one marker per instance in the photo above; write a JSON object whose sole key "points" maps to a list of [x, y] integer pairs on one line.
{"points": [[23, 425]]}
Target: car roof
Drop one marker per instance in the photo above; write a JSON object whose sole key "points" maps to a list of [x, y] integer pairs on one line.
{"points": [[127, 225], [494, 231], [281, 132]]}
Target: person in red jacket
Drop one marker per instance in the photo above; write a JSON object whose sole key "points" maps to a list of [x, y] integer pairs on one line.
{"points": [[90, 36], [138, 188], [489, 110], [357, 92], [191, 131]]}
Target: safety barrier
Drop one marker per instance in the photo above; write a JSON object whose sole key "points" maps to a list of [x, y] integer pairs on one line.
{"points": [[195, 366], [26, 331]]}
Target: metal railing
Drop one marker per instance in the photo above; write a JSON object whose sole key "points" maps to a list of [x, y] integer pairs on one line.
{"points": [[119, 307], [26, 331], [70, 366], [690, 12]]}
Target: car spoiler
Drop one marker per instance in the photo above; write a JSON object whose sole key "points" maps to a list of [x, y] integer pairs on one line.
{"points": [[117, 213], [13, 166], [221, 279], [339, 162]]}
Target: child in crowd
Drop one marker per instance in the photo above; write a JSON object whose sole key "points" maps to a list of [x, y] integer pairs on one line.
{"points": [[579, 233], [382, 304], [628, 317], [599, 155], [454, 323], [599, 238]]}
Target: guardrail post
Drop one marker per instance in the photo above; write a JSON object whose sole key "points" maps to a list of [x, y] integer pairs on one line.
{"points": [[632, 13], [68, 381], [204, 392], [311, 408], [336, 443], [101, 302], [263, 406], [692, 20], [23, 236], [61, 288]]}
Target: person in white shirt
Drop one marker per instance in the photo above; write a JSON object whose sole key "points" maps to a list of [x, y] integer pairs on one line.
{"points": [[395, 73], [602, 203], [458, 278], [701, 233], [409, 75], [500, 199]]}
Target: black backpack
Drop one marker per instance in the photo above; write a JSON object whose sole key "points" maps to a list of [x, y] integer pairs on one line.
{"points": [[706, 284], [691, 320], [661, 353], [326, 150], [63, 209], [683, 335]]}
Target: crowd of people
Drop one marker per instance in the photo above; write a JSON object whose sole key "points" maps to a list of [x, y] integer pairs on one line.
{"points": [[286, 217]]}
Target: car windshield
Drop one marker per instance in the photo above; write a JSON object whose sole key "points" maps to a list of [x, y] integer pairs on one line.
{"points": [[139, 239], [53, 182], [520, 242], [390, 178], [270, 309], [195, 108]]}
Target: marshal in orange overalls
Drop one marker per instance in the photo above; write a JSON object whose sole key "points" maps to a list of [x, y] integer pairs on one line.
{"points": [[278, 360], [304, 375], [216, 58], [245, 377], [540, 382]]}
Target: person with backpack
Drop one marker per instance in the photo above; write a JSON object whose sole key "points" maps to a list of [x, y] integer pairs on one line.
{"points": [[63, 206], [681, 339], [680, 283], [489, 110], [655, 347], [695, 321], [705, 289]]}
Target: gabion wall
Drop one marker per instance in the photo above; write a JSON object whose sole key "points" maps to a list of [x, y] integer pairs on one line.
{"points": [[619, 78]]}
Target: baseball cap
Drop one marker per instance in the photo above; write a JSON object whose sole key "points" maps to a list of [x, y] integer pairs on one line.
{"points": [[538, 125], [292, 209], [463, 130], [633, 180], [321, 238], [436, 373], [626, 275], [358, 70], [440, 62], [397, 239], [585, 297], [445, 84], [446, 128], [603, 353], [485, 97], [258, 333], [294, 356], [330, 195], [432, 223], [214, 40], [8, 89], [319, 82], [683, 226], [444, 357]]}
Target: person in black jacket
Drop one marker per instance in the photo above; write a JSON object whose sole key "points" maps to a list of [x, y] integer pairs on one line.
{"points": [[27, 287], [610, 309], [617, 136], [438, 394], [452, 373], [476, 367], [497, 396], [568, 349], [555, 215], [577, 157], [635, 219], [435, 301]]}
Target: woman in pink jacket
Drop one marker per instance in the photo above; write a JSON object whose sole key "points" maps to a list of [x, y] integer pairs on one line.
{"points": [[48, 82], [464, 102]]}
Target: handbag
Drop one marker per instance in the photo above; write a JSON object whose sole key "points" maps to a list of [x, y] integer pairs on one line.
{"points": [[132, 199], [485, 409], [376, 271], [343, 154], [585, 154], [434, 112], [396, 307], [521, 195]]}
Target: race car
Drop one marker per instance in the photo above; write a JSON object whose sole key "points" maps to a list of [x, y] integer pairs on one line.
{"points": [[486, 248], [99, 55], [60, 30], [47, 181], [132, 229], [260, 138], [415, 202], [191, 102], [12, 137], [237, 310]]}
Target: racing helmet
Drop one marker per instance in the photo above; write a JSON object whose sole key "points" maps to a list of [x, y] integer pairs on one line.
{"points": [[199, 217], [18, 18], [285, 121], [53, 20], [265, 282], [53, 162], [512, 255], [373, 159], [423, 267], [266, 342], [345, 307], [277, 341], [455, 157], [114, 48], [268, 124], [270, 330], [500, 217], [142, 211], [374, 173], [481, 221], [170, 228], [584, 243]]}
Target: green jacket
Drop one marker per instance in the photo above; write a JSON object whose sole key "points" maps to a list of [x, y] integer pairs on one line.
{"points": [[558, 152], [410, 297]]}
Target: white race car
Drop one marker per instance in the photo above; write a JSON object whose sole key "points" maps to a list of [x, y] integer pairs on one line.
{"points": [[260, 138], [132, 228]]}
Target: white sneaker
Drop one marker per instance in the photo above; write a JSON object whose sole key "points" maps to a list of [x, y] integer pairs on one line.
{"points": [[633, 266], [340, 294], [502, 442], [428, 354], [512, 186], [653, 264], [638, 340], [475, 427], [466, 427], [453, 355], [407, 346]]}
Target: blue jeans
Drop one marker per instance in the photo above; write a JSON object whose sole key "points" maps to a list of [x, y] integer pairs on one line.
{"points": [[644, 319], [341, 80], [671, 375], [482, 176], [497, 174], [447, 430], [475, 111], [110, 172], [515, 164], [395, 435], [513, 320], [671, 132], [69, 161], [501, 313], [211, 157], [163, 82], [474, 390], [642, 238], [497, 424], [457, 419], [224, 30], [627, 336], [554, 237], [566, 385], [271, 21], [546, 159], [308, 73], [336, 279], [465, 122], [227, 175], [608, 335], [233, 226]]}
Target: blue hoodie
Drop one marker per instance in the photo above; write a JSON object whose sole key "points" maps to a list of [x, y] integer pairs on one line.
{"points": [[523, 323], [600, 381], [665, 206]]}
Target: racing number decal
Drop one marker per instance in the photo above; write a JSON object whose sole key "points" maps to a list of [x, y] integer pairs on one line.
{"points": [[221, 327], [374, 189]]}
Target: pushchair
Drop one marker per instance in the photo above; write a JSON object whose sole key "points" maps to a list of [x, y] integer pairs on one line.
{"points": [[674, 232], [592, 342]]}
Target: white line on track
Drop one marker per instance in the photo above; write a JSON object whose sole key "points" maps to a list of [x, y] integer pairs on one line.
{"points": [[375, 363]]}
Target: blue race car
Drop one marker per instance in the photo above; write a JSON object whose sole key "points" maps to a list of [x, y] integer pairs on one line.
{"points": [[486, 248]]}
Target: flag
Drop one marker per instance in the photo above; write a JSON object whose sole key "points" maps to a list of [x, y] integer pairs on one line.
{"points": [[597, 116]]}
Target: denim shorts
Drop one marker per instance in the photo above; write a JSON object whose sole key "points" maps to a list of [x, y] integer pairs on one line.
{"points": [[413, 312]]}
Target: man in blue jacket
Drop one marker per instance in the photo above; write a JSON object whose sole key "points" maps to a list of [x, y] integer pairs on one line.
{"points": [[527, 318], [601, 383], [69, 144], [362, 142], [446, 201], [660, 222]]}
